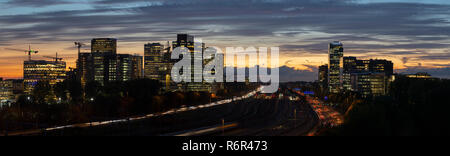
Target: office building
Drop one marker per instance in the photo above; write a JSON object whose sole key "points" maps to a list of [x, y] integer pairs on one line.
{"points": [[350, 66], [336, 52], [124, 67], [158, 64], [381, 66], [18, 87], [40, 70], [196, 48], [369, 84], [323, 76], [368, 77], [184, 40], [154, 61], [6, 92], [129, 67], [104, 45], [104, 67], [137, 67], [85, 68], [104, 58]]}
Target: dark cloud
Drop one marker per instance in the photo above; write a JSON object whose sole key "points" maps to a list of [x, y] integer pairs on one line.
{"points": [[442, 56], [405, 60], [299, 26], [263, 18], [35, 3]]}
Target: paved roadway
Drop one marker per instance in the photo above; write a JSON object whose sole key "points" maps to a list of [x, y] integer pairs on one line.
{"points": [[250, 115]]}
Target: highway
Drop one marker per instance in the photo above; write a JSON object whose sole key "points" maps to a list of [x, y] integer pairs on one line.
{"points": [[280, 114], [328, 117]]}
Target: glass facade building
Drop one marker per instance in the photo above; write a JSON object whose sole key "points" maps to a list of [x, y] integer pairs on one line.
{"points": [[104, 45], [368, 77], [350, 66], [129, 67], [323, 76], [369, 84], [336, 52], [154, 61], [104, 65], [6, 92], [137, 67], [104, 57], [85, 68], [40, 70], [196, 49]]}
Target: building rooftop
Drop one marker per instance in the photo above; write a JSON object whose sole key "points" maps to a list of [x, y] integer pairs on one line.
{"points": [[336, 43]]}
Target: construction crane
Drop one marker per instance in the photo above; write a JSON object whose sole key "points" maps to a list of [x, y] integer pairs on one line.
{"points": [[168, 47], [79, 45], [56, 58], [29, 51]]}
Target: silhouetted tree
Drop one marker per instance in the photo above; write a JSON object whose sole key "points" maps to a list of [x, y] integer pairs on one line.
{"points": [[43, 93], [414, 107], [92, 89]]}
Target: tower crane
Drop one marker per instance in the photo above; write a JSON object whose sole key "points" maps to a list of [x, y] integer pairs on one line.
{"points": [[79, 45], [56, 58], [29, 51]]}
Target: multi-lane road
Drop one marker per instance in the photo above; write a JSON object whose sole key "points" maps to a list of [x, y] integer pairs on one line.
{"points": [[284, 113]]}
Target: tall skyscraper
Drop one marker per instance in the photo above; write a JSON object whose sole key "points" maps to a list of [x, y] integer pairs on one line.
{"points": [[336, 52], [154, 61], [196, 49], [105, 67], [104, 45], [104, 53], [185, 40], [40, 70]]}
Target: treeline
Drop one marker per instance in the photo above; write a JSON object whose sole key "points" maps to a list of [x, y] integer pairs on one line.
{"points": [[67, 102], [413, 107]]}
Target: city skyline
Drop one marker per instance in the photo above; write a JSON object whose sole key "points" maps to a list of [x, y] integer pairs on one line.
{"points": [[291, 25], [231, 68]]}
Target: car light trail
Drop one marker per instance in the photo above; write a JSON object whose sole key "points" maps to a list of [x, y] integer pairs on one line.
{"points": [[102, 123]]}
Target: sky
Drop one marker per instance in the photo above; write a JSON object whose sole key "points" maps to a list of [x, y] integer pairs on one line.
{"points": [[414, 34]]}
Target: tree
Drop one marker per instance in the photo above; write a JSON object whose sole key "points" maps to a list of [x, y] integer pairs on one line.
{"points": [[92, 89], [142, 92], [75, 90], [61, 90], [43, 93], [413, 107]]}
